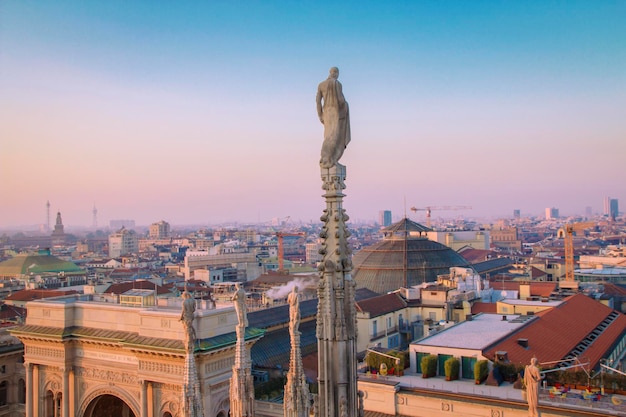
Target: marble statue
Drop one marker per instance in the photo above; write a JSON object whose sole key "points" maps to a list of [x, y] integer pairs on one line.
{"points": [[187, 316], [333, 112], [531, 380], [294, 308], [240, 305]]}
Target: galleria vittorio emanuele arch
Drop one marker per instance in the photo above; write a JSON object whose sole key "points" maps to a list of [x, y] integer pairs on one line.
{"points": [[93, 356]]}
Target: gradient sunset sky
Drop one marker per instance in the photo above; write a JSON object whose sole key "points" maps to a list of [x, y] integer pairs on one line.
{"points": [[204, 112]]}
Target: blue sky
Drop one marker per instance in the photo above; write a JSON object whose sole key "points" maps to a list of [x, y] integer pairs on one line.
{"points": [[204, 112]]}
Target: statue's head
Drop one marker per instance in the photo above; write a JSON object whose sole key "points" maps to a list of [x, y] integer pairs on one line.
{"points": [[533, 361], [334, 73]]}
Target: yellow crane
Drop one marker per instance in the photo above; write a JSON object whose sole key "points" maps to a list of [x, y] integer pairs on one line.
{"points": [[567, 233], [429, 209]]}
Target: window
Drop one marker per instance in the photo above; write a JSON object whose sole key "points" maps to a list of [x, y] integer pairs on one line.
{"points": [[393, 341], [418, 361], [21, 391], [374, 328], [467, 367], [3, 393], [389, 322]]}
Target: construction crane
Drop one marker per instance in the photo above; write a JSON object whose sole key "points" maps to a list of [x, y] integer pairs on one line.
{"points": [[429, 209], [567, 233], [281, 250]]}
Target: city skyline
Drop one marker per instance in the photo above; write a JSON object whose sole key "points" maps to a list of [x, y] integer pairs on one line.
{"points": [[204, 113]]}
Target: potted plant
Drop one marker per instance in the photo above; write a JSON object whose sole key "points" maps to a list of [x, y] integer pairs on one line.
{"points": [[429, 366], [451, 368], [481, 371]]}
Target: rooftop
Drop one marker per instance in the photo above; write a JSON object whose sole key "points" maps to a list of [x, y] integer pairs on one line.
{"points": [[483, 330]]}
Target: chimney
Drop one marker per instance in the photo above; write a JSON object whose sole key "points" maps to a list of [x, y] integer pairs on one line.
{"points": [[523, 343], [503, 318], [469, 317]]}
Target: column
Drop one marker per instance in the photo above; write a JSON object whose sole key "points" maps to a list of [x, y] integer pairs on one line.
{"points": [[143, 398], [72, 390], [150, 393], [29, 389], [65, 398], [35, 385]]}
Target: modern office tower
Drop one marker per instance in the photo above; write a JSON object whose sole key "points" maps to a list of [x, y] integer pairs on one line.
{"points": [[588, 211], [607, 206], [384, 218], [160, 230], [552, 213], [611, 207], [123, 242], [517, 214]]}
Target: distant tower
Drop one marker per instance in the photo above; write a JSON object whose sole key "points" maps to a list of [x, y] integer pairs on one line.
{"points": [[58, 234], [336, 312], [384, 218], [516, 214], [94, 222], [48, 216], [58, 227], [607, 206], [552, 213]]}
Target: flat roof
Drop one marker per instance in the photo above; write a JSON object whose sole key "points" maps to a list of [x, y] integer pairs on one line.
{"points": [[478, 333], [513, 301]]}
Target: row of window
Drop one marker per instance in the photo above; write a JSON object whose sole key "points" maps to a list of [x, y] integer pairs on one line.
{"points": [[4, 392]]}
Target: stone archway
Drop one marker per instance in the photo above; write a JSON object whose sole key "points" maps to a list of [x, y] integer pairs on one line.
{"points": [[108, 405]]}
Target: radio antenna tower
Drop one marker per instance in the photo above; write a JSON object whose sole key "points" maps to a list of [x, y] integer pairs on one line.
{"points": [[94, 222], [48, 216]]}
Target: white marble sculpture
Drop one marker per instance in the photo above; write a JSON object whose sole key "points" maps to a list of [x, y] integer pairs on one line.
{"points": [[531, 380], [333, 112]]}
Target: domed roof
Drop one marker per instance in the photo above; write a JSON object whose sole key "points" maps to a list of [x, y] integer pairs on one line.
{"points": [[40, 263], [405, 257]]}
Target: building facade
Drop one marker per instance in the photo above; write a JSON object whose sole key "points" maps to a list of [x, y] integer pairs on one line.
{"points": [[159, 230], [123, 242], [89, 358]]}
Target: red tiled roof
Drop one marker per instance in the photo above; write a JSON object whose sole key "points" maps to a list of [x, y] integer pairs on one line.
{"points": [[612, 289], [543, 289], [382, 304], [504, 285], [29, 295], [536, 273], [480, 307], [9, 312], [557, 331], [477, 255]]}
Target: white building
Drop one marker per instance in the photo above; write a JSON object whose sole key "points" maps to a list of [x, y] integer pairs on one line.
{"points": [[477, 239], [123, 242], [466, 340]]}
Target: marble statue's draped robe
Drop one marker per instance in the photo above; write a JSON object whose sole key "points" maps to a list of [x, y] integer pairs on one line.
{"points": [[336, 117], [531, 380]]}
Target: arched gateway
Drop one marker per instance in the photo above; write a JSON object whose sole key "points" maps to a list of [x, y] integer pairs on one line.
{"points": [[108, 405], [94, 356]]}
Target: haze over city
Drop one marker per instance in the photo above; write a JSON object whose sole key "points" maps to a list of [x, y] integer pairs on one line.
{"points": [[204, 112]]}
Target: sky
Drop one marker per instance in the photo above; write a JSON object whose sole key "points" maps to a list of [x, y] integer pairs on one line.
{"points": [[203, 112]]}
